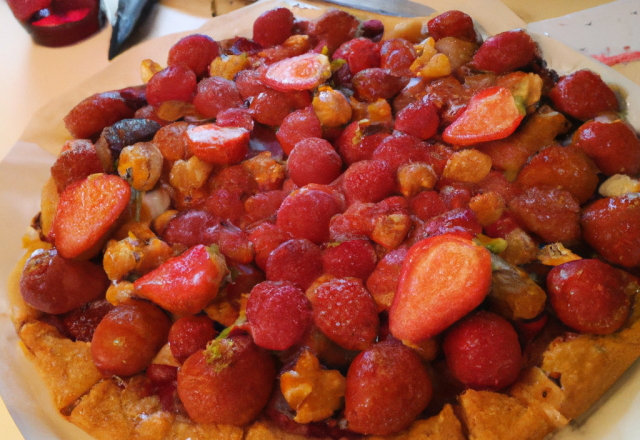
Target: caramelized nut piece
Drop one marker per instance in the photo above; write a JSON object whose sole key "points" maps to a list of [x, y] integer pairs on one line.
{"points": [[619, 185], [142, 163], [148, 68], [467, 166], [227, 66], [187, 175], [331, 107], [315, 393], [416, 177], [487, 207]]}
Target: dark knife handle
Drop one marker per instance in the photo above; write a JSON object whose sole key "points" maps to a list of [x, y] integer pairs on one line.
{"points": [[128, 17]]}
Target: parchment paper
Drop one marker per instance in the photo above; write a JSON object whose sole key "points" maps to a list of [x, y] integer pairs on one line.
{"points": [[26, 168]]}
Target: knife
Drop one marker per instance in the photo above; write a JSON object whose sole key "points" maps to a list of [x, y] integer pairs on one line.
{"points": [[395, 8], [129, 15]]}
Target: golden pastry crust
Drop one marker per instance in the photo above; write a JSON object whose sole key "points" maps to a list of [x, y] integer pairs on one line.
{"points": [[66, 366]]}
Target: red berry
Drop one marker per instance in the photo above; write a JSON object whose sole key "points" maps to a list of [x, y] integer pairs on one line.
{"points": [[448, 292], [551, 213], [214, 95], [306, 213], [273, 27], [313, 160], [128, 338], [387, 388], [297, 261], [184, 285], [229, 383], [483, 352], [583, 95], [613, 146], [346, 313], [51, 284], [368, 181], [419, 119], [354, 258], [194, 51], [279, 315], [298, 125], [588, 296], [175, 83], [452, 24], [189, 335], [505, 52], [397, 55], [612, 227]]}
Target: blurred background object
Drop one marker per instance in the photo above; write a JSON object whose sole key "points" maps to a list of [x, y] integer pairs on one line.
{"points": [[57, 23]]}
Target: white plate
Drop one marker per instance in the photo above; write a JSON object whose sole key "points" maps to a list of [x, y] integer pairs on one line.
{"points": [[26, 168]]}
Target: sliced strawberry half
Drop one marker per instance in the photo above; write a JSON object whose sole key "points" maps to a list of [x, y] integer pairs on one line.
{"points": [[304, 72], [443, 278], [100, 197], [491, 114], [184, 285], [218, 145]]}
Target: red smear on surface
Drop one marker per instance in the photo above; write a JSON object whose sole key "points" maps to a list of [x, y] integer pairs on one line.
{"points": [[611, 60]]}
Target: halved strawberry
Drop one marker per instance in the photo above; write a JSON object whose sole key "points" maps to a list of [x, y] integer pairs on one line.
{"points": [[304, 72], [99, 197], [443, 278], [218, 145], [184, 285], [491, 114]]}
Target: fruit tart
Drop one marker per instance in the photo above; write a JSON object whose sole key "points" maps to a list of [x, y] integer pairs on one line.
{"points": [[338, 229]]}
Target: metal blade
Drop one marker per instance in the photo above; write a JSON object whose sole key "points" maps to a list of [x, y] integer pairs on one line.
{"points": [[129, 15], [396, 8]]}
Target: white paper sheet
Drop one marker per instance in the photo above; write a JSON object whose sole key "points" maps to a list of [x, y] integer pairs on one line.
{"points": [[26, 168]]}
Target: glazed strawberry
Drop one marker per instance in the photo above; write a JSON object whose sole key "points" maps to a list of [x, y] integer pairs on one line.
{"points": [[353, 258], [383, 282], [612, 227], [613, 146], [452, 24], [96, 112], [184, 285], [298, 261], [215, 95], [345, 312], [483, 352], [54, 285], [491, 114], [101, 197], [273, 27], [175, 83], [195, 51], [218, 145], [306, 213], [129, 337], [190, 334], [279, 315], [304, 72], [228, 383], [396, 56], [314, 160], [298, 125], [505, 52], [588, 295], [583, 95], [387, 387], [78, 160], [430, 297]]}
